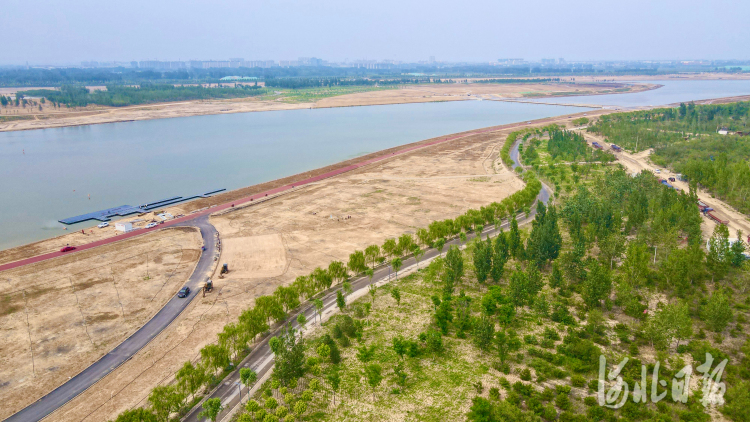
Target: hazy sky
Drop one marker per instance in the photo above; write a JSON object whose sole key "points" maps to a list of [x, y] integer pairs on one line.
{"points": [[54, 32]]}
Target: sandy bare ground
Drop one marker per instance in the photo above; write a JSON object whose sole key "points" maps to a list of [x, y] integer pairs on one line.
{"points": [[635, 163], [50, 117], [270, 244], [58, 317]]}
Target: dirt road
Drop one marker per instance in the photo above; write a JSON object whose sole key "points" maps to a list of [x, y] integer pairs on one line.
{"points": [[635, 163]]}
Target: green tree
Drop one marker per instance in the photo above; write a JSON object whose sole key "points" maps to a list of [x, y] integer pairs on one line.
{"points": [[597, 286], [635, 265], [396, 264], [318, 308], [357, 262], [417, 252], [190, 378], [396, 294], [248, 376], [215, 357], [211, 409], [372, 254], [374, 375], [454, 265], [340, 300], [717, 313], [372, 289], [482, 257], [737, 251], [389, 247], [405, 242], [165, 400], [337, 270], [439, 245], [400, 346], [484, 333], [719, 254], [434, 342], [290, 356], [515, 247], [301, 320], [423, 235], [138, 414], [501, 341]]}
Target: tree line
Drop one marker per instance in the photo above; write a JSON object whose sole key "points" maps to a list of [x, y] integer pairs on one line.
{"points": [[233, 343], [120, 96]]}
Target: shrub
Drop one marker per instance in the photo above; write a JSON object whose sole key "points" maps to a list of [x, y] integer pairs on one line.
{"points": [[530, 339], [271, 403], [547, 343], [526, 374], [495, 393], [577, 381], [562, 402], [562, 389], [551, 334], [336, 332]]}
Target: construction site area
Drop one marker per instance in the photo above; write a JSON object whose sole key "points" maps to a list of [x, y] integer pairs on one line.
{"points": [[59, 316], [265, 244]]}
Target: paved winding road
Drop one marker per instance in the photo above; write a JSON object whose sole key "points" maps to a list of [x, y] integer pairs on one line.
{"points": [[261, 358], [99, 369]]}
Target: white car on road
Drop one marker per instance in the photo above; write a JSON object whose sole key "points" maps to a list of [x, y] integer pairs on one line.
{"points": [[103, 225], [150, 225]]}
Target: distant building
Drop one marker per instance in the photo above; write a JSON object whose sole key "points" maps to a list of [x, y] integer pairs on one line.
{"points": [[431, 60], [723, 131], [509, 62], [548, 61], [239, 78]]}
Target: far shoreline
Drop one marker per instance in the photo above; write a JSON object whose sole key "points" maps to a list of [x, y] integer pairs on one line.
{"points": [[192, 108]]}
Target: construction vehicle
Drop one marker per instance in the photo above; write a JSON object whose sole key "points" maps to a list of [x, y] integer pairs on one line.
{"points": [[713, 216], [224, 270], [207, 286]]}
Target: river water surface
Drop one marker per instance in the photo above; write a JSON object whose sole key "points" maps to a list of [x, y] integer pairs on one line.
{"points": [[48, 174]]}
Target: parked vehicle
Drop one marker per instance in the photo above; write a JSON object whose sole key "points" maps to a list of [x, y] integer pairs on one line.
{"points": [[150, 225], [596, 145], [716, 218], [68, 249], [102, 225], [616, 148], [672, 179], [184, 292]]}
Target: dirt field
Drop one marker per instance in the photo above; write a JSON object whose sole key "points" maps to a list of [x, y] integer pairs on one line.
{"points": [[59, 316], [271, 243], [61, 117]]}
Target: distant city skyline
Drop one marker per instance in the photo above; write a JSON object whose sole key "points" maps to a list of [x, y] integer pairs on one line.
{"points": [[52, 33]]}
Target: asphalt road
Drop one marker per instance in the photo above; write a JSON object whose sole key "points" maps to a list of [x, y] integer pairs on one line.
{"points": [[130, 346], [261, 358]]}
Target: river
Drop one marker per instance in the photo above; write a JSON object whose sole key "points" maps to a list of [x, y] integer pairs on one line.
{"points": [[48, 174]]}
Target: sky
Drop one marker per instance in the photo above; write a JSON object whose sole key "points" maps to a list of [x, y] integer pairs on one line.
{"points": [[67, 32]]}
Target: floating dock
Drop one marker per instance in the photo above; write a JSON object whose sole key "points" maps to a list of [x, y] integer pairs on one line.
{"points": [[123, 210]]}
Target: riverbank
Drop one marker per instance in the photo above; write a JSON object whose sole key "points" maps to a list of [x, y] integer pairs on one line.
{"points": [[32, 118], [266, 245]]}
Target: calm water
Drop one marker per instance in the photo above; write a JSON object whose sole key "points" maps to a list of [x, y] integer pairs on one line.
{"points": [[673, 91], [137, 162]]}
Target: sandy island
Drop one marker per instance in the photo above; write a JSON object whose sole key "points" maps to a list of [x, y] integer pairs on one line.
{"points": [[49, 117]]}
